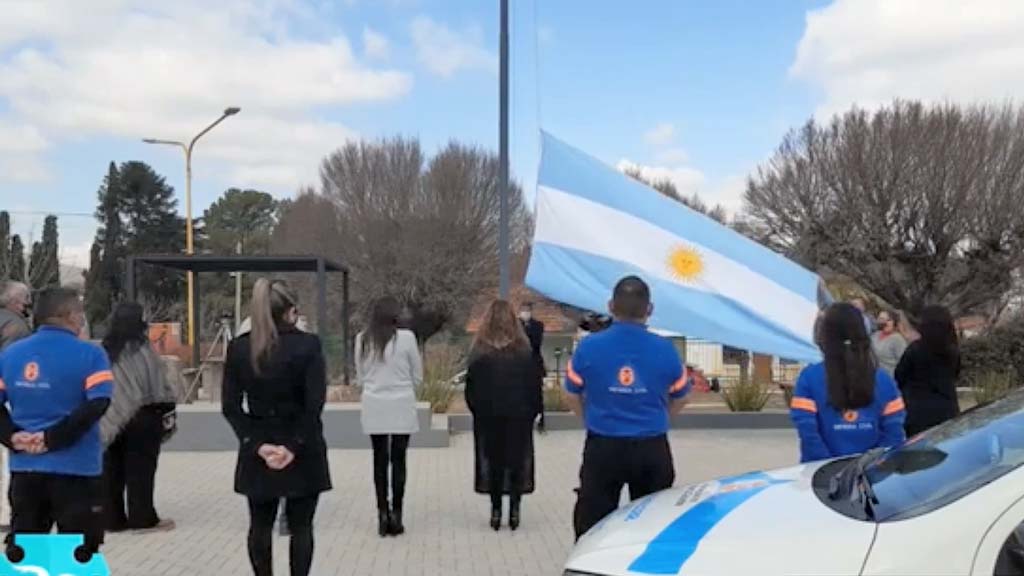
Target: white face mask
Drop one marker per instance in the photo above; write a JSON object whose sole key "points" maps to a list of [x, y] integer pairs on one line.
{"points": [[525, 315]]}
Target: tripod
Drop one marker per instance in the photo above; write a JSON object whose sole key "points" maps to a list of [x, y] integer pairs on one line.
{"points": [[223, 337]]}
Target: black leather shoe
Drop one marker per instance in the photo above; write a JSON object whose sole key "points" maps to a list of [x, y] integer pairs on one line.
{"points": [[395, 527], [513, 515], [383, 523], [496, 518]]}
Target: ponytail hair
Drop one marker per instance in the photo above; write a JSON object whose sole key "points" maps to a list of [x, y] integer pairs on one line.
{"points": [[271, 301], [849, 363]]}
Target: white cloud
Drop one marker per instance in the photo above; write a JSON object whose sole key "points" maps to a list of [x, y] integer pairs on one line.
{"points": [[131, 69], [687, 180], [869, 52], [661, 135], [445, 52], [375, 44]]}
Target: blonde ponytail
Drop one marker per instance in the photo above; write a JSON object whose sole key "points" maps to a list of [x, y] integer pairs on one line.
{"points": [[263, 334]]}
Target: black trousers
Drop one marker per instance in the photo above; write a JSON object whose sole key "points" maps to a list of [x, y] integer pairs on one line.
{"points": [[643, 464], [505, 442], [73, 503], [130, 468], [262, 513], [389, 450]]}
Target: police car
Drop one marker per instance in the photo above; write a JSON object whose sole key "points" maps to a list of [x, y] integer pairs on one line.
{"points": [[949, 501]]}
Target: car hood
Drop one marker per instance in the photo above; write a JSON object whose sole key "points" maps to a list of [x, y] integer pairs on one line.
{"points": [[759, 523]]}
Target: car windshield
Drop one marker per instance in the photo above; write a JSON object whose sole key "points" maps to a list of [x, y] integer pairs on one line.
{"points": [[950, 461]]}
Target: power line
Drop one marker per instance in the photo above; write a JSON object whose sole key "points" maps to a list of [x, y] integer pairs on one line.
{"points": [[47, 213]]}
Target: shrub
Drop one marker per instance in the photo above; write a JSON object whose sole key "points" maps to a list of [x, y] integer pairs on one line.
{"points": [[992, 386], [999, 350], [746, 395], [442, 362]]}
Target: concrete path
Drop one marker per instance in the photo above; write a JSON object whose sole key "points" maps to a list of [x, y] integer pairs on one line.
{"points": [[446, 522]]}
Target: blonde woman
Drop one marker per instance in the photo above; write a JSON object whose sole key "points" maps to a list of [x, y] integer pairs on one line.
{"points": [[278, 371]]}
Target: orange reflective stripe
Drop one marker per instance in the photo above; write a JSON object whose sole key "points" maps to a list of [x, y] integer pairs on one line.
{"points": [[99, 378], [805, 404], [681, 383], [572, 375], [893, 407]]}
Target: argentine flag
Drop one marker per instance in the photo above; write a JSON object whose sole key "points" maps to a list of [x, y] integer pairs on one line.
{"points": [[596, 225]]}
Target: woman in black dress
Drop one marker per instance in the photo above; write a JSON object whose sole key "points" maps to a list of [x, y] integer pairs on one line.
{"points": [[503, 390], [279, 372], [928, 372]]}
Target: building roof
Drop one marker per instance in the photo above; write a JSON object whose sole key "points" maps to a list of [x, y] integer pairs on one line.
{"points": [[212, 263], [555, 317]]}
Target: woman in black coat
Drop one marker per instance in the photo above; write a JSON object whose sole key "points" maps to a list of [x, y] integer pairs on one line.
{"points": [[279, 372], [928, 371], [503, 391]]}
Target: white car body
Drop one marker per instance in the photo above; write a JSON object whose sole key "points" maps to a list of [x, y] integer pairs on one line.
{"points": [[775, 524]]}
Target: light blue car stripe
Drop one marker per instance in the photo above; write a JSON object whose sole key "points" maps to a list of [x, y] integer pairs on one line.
{"points": [[671, 548]]}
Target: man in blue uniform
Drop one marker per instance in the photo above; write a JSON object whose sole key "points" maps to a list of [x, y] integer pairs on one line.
{"points": [[626, 382], [57, 387]]}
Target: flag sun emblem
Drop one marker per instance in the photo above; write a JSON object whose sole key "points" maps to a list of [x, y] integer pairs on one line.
{"points": [[685, 264]]}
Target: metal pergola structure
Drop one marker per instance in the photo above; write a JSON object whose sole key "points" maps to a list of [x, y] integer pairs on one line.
{"points": [[200, 264]]}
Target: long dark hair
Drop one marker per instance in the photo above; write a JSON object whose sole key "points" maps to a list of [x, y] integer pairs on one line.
{"points": [[500, 331], [938, 333], [127, 329], [271, 301], [383, 326], [849, 364]]}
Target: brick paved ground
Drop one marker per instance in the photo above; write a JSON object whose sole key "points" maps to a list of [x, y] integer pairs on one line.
{"points": [[446, 522]]}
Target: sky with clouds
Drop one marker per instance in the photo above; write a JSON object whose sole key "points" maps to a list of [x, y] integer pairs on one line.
{"points": [[698, 92]]}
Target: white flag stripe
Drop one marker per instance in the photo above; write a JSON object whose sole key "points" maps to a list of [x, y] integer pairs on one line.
{"points": [[616, 235]]}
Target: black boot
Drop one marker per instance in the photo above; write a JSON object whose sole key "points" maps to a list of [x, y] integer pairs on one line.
{"points": [[496, 516], [513, 513], [383, 522], [395, 527]]}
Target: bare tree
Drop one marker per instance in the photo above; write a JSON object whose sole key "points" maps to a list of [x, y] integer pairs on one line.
{"points": [[667, 188], [918, 204], [424, 232]]}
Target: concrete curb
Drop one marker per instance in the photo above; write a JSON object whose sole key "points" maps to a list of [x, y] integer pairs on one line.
{"points": [[556, 421], [202, 428]]}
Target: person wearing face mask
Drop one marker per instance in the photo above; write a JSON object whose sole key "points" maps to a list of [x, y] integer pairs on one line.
{"points": [[887, 343], [54, 388], [535, 334], [15, 302]]}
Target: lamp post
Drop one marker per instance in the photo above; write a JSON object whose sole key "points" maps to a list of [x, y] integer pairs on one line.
{"points": [[189, 246]]}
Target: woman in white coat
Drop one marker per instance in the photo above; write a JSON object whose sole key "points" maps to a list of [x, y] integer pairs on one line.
{"points": [[389, 369]]}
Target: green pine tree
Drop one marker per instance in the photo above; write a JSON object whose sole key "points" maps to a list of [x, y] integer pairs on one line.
{"points": [[5, 245], [152, 226], [17, 259], [44, 263], [103, 281]]}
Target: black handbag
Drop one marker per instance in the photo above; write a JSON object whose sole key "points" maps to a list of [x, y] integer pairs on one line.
{"points": [[168, 420]]}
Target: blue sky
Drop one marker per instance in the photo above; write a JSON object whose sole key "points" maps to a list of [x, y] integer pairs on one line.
{"points": [[699, 92]]}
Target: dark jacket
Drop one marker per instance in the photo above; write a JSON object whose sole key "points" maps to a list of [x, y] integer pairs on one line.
{"points": [[504, 385], [928, 385], [283, 407]]}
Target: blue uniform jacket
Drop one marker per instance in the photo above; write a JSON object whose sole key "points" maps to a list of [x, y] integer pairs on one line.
{"points": [[826, 432]]}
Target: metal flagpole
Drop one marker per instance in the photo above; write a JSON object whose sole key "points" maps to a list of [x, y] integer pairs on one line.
{"points": [[503, 185]]}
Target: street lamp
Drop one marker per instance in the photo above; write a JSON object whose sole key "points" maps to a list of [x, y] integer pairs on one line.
{"points": [[189, 249]]}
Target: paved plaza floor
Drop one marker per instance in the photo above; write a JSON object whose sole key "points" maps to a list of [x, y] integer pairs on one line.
{"points": [[447, 524]]}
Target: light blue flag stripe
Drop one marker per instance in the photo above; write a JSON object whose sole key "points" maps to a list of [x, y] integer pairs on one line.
{"points": [[584, 280], [574, 172]]}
